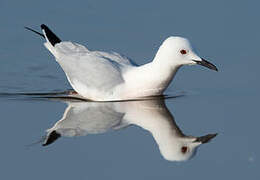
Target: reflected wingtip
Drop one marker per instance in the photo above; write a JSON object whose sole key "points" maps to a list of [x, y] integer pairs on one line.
{"points": [[51, 137]]}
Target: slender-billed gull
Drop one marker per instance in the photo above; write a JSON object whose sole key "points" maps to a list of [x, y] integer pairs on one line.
{"points": [[103, 76], [81, 119]]}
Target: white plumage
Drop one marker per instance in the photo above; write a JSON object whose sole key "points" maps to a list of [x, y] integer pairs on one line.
{"points": [[103, 76], [81, 119]]}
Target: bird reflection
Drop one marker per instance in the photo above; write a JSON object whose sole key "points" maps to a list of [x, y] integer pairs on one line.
{"points": [[83, 118]]}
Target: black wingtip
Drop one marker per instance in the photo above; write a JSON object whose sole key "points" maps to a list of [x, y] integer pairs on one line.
{"points": [[53, 39], [53, 136], [30, 29], [43, 26]]}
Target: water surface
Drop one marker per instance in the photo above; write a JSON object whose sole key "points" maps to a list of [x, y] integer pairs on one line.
{"points": [[224, 32]]}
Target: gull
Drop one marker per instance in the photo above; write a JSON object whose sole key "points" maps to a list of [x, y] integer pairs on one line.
{"points": [[104, 76], [83, 118]]}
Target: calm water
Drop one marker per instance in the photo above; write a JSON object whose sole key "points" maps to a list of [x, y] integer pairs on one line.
{"points": [[112, 142]]}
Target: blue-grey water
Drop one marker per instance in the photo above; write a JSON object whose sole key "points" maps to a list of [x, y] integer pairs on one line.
{"points": [[224, 102]]}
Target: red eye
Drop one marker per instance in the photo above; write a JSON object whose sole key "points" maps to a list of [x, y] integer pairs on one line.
{"points": [[184, 149], [183, 51]]}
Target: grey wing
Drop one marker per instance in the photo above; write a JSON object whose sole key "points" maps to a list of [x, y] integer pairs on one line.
{"points": [[119, 58], [87, 69], [81, 119]]}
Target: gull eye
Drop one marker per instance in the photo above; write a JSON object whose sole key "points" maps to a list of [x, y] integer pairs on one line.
{"points": [[183, 51], [184, 149]]}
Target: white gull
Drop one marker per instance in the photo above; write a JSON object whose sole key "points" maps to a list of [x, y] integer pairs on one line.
{"points": [[81, 119], [103, 76]]}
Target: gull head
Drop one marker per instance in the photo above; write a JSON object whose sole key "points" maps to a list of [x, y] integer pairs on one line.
{"points": [[184, 148], [177, 51]]}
